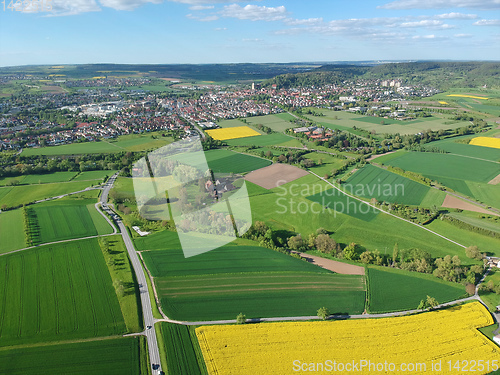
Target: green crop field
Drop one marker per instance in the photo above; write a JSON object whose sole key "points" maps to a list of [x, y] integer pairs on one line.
{"points": [[158, 241], [275, 122], [57, 292], [286, 116], [132, 142], [374, 182], [225, 161], [450, 145], [274, 139], [180, 355], [8, 181], [485, 193], [325, 163], [48, 178], [93, 175], [120, 356], [280, 209], [254, 303], [478, 220], [467, 238], [434, 197], [11, 231], [491, 299], [346, 121], [220, 283], [395, 290], [63, 220], [14, 196], [446, 166], [227, 259], [341, 203]]}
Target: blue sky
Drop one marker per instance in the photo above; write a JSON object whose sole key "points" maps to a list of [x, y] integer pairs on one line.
{"points": [[220, 31]]}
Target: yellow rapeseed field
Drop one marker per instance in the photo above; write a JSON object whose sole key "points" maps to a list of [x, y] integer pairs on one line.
{"points": [[468, 96], [443, 102], [232, 133], [427, 343], [485, 142]]}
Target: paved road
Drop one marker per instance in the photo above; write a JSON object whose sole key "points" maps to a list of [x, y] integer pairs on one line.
{"points": [[147, 311]]}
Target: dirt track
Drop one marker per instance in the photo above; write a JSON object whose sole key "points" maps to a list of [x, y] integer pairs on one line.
{"points": [[275, 175], [453, 202], [495, 181], [333, 265], [373, 157]]}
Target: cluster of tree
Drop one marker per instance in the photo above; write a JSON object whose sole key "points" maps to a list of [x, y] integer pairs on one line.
{"points": [[490, 287], [419, 215], [265, 129], [450, 269], [323, 313], [308, 111], [291, 156], [427, 304], [31, 227], [209, 143], [463, 225], [13, 165]]}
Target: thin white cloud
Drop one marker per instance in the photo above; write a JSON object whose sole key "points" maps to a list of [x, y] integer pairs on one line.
{"points": [[70, 7], [441, 4], [127, 4], [456, 16], [203, 18], [308, 21], [430, 37], [201, 7], [426, 24], [201, 2], [487, 23], [463, 35], [254, 12]]}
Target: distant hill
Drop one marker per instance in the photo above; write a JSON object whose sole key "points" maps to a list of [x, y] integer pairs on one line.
{"points": [[442, 75], [196, 72]]}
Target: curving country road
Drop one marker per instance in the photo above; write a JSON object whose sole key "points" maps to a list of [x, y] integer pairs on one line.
{"points": [[147, 311]]}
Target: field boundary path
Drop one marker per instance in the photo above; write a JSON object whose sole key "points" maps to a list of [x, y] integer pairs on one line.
{"points": [[147, 310], [56, 242], [315, 317], [385, 212]]}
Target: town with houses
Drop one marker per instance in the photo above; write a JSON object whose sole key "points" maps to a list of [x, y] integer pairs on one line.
{"points": [[107, 108]]}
